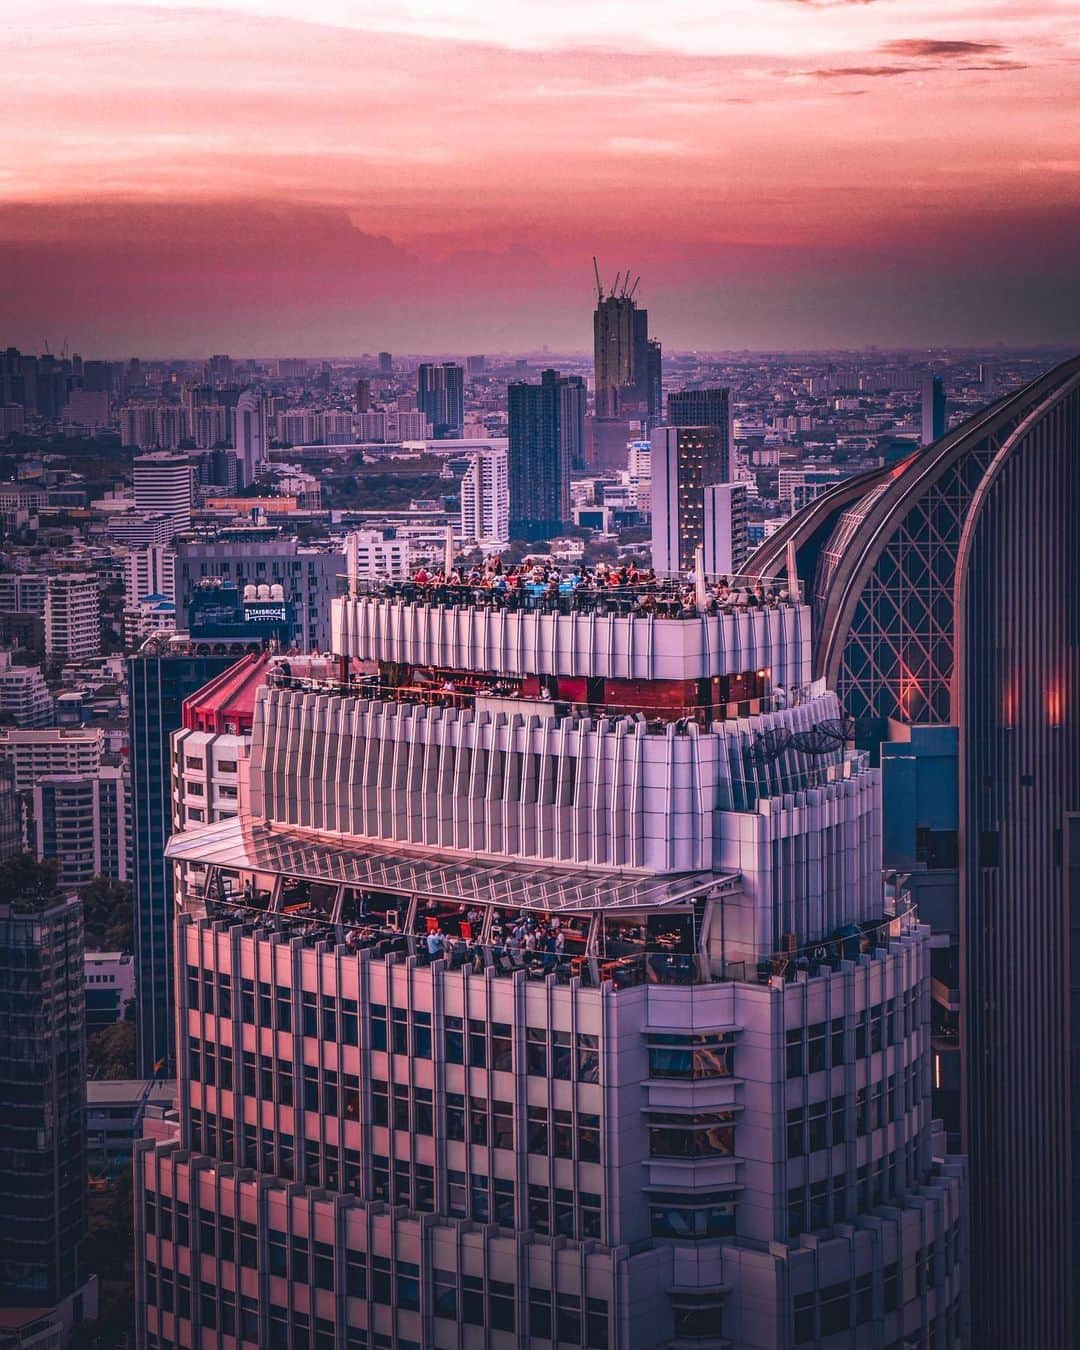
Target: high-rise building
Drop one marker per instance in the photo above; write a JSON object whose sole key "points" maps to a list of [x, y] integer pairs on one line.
{"points": [[546, 422], [24, 695], [165, 485], [43, 1289], [625, 373], [219, 369], [933, 408], [386, 363], [73, 616], [580, 1019], [251, 436], [65, 750], [725, 543], [370, 426], [149, 571], [655, 365], [440, 396], [621, 347], [24, 591], [310, 577], [939, 601], [159, 680], [81, 821], [475, 365], [362, 396], [702, 408], [685, 460], [485, 499]]}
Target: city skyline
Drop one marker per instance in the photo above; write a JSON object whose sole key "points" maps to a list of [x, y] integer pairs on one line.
{"points": [[753, 171]]}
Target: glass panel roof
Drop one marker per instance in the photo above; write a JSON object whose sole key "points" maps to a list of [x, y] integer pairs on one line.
{"points": [[247, 845]]}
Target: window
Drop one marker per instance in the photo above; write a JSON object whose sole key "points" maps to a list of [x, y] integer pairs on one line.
{"points": [[477, 1043], [697, 1056], [424, 1187], [589, 1214], [444, 1294], [455, 1116], [564, 1212], [500, 1306], [568, 1318], [596, 1324], [796, 1211], [479, 1204], [819, 1204], [818, 1121], [454, 1040], [408, 1286], [322, 1265], [562, 1144], [588, 1137], [457, 1203], [588, 1058], [536, 1051], [804, 1318], [423, 1112], [561, 1055], [309, 1014], [540, 1323], [502, 1123], [401, 1107], [706, 1135], [478, 1120], [378, 1026], [539, 1218], [422, 1035], [793, 1052], [505, 1215], [502, 1054], [299, 1263], [380, 1279], [706, 1215], [537, 1130], [355, 1274], [349, 1022], [817, 1051], [472, 1300], [834, 1310], [276, 1262], [249, 1244]]}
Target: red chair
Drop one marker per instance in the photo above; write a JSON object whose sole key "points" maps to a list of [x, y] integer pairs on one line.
{"points": [[432, 923], [466, 930]]}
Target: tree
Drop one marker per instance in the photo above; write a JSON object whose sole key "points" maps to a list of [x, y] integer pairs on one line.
{"points": [[108, 914], [110, 1053], [27, 883]]}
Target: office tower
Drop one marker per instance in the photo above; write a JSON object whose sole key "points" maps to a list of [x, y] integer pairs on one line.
{"points": [[81, 821], [440, 396], [362, 396], [251, 436], [606, 441], [164, 485], [149, 571], [219, 369], [987, 377], [684, 460], [545, 422], [159, 679], [372, 555], [138, 529], [933, 408], [73, 616], [218, 468], [702, 1113], [386, 363], [42, 1134], [485, 500], [310, 577], [475, 365], [64, 750], [621, 354], [655, 366], [703, 408], [940, 600], [725, 540], [97, 376], [24, 695]]}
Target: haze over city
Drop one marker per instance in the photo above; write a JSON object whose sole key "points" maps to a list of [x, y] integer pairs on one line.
{"points": [[785, 173]]}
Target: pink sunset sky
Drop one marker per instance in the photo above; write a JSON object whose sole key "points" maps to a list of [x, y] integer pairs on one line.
{"points": [[339, 176]]}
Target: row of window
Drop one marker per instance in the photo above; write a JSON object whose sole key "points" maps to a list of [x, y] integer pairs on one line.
{"points": [[463, 1299], [823, 1045], [830, 1200], [821, 1124], [839, 1307]]}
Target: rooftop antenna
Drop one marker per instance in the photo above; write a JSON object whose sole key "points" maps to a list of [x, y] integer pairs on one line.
{"points": [[599, 283]]}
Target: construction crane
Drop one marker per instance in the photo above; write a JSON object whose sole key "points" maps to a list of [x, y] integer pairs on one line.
{"points": [[599, 283]]}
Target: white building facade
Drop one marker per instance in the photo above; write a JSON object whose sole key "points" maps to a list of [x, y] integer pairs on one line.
{"points": [[485, 500], [695, 1110]]}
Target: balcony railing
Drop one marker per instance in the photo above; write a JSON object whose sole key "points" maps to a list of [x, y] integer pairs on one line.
{"points": [[667, 597]]}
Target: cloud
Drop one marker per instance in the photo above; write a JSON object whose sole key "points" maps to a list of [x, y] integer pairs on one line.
{"points": [[872, 72], [939, 48]]}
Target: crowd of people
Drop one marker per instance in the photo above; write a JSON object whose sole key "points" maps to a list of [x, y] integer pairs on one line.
{"points": [[537, 583]]}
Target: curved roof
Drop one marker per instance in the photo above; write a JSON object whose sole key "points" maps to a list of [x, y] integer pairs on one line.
{"points": [[882, 552]]}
